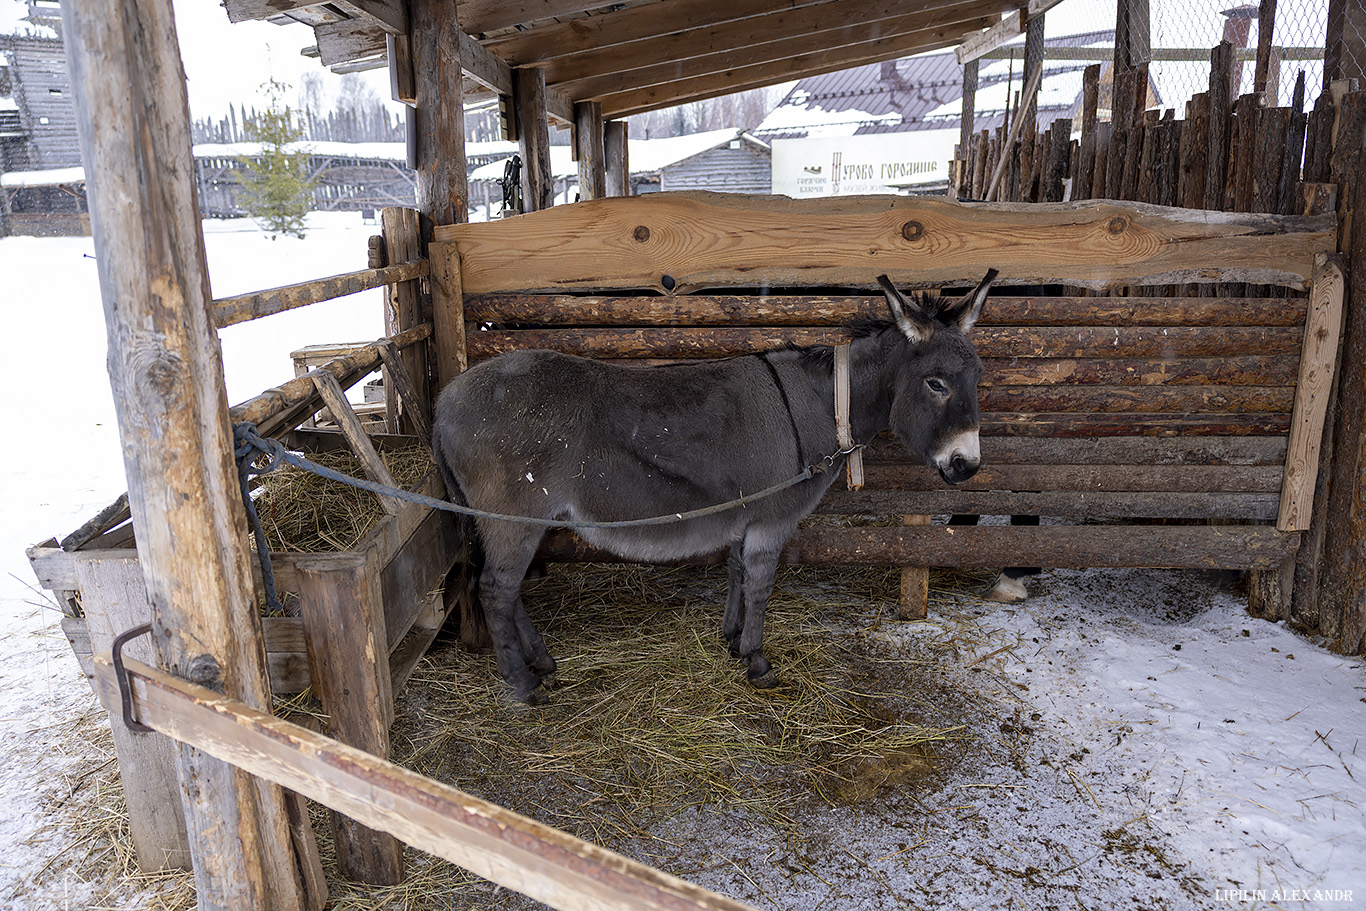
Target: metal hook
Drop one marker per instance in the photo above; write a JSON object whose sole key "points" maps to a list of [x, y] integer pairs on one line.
{"points": [[121, 675]]}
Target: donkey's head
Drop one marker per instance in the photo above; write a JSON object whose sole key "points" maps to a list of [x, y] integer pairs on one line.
{"points": [[934, 396]]}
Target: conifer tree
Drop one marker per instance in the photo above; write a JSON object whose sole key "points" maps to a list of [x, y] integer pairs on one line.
{"points": [[276, 186]]}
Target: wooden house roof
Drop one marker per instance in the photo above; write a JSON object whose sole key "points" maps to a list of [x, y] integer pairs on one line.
{"points": [[642, 55]]}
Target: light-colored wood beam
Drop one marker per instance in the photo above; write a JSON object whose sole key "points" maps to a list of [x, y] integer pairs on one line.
{"points": [[516, 852], [391, 15], [976, 44], [724, 239], [478, 16]]}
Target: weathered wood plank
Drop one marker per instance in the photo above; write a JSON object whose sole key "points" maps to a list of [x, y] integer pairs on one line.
{"points": [[1197, 371], [712, 240], [1078, 505], [991, 341], [1108, 477], [837, 310], [1118, 450], [361, 447], [486, 839], [1061, 546], [115, 601], [403, 310], [348, 665], [1081, 425], [1317, 366], [1188, 400], [448, 314]]}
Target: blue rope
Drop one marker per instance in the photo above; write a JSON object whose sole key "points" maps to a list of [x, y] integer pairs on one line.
{"points": [[251, 444]]}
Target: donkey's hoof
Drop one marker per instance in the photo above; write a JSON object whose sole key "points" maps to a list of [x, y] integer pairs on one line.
{"points": [[760, 674], [1006, 590], [550, 681], [536, 696]]}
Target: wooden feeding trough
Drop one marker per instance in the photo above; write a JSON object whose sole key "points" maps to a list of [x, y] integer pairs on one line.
{"points": [[360, 617]]}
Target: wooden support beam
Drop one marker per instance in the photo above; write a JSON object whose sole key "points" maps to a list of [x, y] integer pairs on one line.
{"points": [[448, 314], [981, 43], [171, 406], [616, 157], [331, 393], [915, 582], [400, 383], [489, 841], [402, 229], [588, 149], [970, 77], [442, 188], [391, 15], [533, 135]]}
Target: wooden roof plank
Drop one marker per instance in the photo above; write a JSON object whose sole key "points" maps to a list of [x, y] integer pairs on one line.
{"points": [[390, 15], [637, 101], [785, 34], [478, 16]]}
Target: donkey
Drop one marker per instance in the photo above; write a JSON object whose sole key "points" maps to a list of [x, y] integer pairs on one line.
{"points": [[547, 435]]}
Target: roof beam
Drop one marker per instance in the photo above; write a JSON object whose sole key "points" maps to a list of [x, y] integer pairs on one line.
{"points": [[390, 15], [742, 79], [637, 23], [478, 16], [975, 44], [496, 76], [948, 20], [763, 37]]}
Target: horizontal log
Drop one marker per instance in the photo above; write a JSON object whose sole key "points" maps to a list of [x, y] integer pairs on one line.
{"points": [[1074, 504], [1246, 370], [683, 241], [1131, 424], [484, 838], [997, 342], [1189, 400], [229, 311], [1055, 546], [1113, 450], [1093, 477], [842, 310], [285, 406]]}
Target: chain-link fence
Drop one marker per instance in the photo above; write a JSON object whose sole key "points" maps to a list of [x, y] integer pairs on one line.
{"points": [[1175, 37]]}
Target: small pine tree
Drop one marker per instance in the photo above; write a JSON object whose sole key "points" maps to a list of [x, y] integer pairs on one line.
{"points": [[276, 186]]}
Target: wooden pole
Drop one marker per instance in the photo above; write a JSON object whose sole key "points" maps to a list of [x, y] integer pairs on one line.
{"points": [[1266, 27], [616, 157], [588, 150], [169, 398], [533, 134], [966, 128], [442, 190]]}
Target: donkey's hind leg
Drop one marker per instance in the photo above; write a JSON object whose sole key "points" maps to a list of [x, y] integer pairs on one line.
{"points": [[734, 618], [760, 564], [534, 652], [508, 553]]}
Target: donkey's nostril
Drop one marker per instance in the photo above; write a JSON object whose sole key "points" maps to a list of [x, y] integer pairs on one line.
{"points": [[958, 464]]}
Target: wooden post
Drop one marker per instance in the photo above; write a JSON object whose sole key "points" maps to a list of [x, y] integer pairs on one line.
{"points": [[616, 136], [403, 309], [588, 150], [967, 127], [533, 134], [1266, 27], [1341, 602], [442, 188], [171, 405], [1220, 110], [915, 582], [348, 663]]}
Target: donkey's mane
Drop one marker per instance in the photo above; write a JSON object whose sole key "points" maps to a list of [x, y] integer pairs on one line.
{"points": [[824, 355]]}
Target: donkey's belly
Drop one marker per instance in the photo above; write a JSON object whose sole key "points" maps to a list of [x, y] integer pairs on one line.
{"points": [[663, 543]]}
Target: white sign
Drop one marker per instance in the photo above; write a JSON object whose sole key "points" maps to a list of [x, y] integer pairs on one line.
{"points": [[852, 165]]}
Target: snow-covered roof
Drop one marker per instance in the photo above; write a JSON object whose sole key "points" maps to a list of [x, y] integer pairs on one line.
{"points": [[389, 151], [646, 155], [7, 103], [53, 177]]}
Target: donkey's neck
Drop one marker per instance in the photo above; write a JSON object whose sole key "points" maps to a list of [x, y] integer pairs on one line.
{"points": [[870, 393]]}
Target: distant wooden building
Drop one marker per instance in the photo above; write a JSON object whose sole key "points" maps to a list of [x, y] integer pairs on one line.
{"points": [[38, 137]]}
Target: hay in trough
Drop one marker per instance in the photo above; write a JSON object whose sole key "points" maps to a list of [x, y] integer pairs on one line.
{"points": [[305, 513]]}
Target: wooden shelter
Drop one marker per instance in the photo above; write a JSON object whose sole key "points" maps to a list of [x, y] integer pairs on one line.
{"points": [[577, 63]]}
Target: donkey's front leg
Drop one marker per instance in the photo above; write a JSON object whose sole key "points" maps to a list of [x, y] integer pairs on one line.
{"points": [[760, 562]]}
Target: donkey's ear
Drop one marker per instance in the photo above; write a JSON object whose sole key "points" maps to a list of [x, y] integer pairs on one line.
{"points": [[910, 318], [965, 311]]}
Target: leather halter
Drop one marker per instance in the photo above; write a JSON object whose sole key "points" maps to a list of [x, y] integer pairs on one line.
{"points": [[844, 434]]}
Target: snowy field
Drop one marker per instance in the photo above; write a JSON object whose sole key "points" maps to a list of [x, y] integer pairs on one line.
{"points": [[1223, 750]]}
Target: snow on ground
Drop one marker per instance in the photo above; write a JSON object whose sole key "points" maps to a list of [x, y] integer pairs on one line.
{"points": [[1159, 735]]}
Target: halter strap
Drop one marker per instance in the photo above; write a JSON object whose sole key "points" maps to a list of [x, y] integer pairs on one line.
{"points": [[844, 433]]}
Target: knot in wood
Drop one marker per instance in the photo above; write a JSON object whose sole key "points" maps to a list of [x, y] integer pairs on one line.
{"points": [[641, 234], [912, 230], [205, 671], [1117, 225]]}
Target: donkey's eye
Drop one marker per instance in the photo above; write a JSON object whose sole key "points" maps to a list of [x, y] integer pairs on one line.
{"points": [[937, 386]]}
